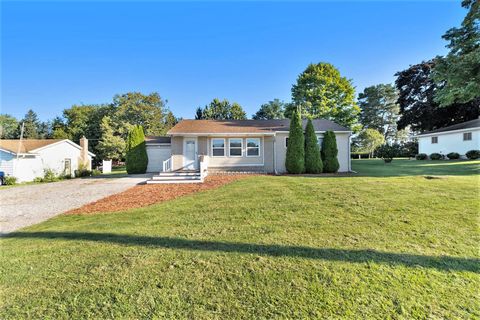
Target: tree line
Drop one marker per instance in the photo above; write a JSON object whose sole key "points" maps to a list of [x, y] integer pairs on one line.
{"points": [[441, 91]]}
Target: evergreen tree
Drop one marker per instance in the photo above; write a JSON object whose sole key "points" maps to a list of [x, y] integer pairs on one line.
{"points": [[329, 153], [137, 159], [170, 120], [313, 160], [31, 125], [295, 160], [199, 114]]}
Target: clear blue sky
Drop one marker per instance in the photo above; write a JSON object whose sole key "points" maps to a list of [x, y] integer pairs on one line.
{"points": [[60, 53]]}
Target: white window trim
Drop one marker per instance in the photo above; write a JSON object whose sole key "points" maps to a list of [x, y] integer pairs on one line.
{"points": [[285, 142], [241, 148], [224, 147], [260, 144]]}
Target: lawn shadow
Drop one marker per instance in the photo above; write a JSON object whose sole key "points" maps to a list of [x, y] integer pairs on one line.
{"points": [[329, 254]]}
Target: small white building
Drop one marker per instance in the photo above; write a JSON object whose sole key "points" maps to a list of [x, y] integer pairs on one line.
{"points": [[460, 138], [29, 158]]}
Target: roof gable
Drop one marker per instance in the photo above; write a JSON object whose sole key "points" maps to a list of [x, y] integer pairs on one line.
{"points": [[26, 145], [459, 126]]}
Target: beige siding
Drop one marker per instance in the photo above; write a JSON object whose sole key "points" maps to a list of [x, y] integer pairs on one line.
{"points": [[202, 146], [269, 145], [343, 145], [177, 153]]}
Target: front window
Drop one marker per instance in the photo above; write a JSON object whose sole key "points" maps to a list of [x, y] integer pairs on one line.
{"points": [[467, 136], [434, 139], [253, 147], [235, 147], [218, 147]]}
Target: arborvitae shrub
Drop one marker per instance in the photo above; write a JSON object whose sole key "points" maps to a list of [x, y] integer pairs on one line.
{"points": [[313, 159], [295, 159], [137, 159], [329, 153]]}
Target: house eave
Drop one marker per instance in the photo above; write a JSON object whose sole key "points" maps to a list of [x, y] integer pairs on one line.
{"points": [[445, 132]]}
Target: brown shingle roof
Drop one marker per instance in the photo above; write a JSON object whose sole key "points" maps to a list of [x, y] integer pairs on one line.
{"points": [[247, 126], [459, 126], [27, 145], [157, 139]]}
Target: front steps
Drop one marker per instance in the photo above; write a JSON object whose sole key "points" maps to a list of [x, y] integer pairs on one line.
{"points": [[176, 177]]}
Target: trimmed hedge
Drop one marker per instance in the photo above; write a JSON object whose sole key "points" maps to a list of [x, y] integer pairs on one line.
{"points": [[421, 156], [473, 154], [313, 160], [436, 156], [453, 156], [295, 158], [329, 153], [136, 158]]}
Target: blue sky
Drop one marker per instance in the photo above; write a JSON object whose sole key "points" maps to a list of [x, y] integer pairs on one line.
{"points": [[56, 54]]}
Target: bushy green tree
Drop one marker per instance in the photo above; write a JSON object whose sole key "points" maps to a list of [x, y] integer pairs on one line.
{"points": [[457, 74], [221, 110], [330, 152], [137, 159], [321, 92], [271, 110], [295, 159], [368, 140], [111, 146], [313, 159], [8, 127]]}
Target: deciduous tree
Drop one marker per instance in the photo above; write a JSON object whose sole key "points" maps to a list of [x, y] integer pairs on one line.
{"points": [[8, 127], [368, 140], [457, 75], [111, 146], [418, 109], [271, 110], [221, 110], [321, 92]]}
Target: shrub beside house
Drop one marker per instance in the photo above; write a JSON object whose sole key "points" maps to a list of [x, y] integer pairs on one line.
{"points": [[136, 158]]}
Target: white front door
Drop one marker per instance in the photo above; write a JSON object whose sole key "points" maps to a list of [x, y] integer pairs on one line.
{"points": [[190, 153]]}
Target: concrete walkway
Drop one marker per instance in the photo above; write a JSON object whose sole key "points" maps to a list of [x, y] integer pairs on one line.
{"points": [[23, 206]]}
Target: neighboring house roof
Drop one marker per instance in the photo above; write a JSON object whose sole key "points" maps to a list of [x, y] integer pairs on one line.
{"points": [[459, 126], [158, 139], [27, 145], [247, 126], [32, 145]]}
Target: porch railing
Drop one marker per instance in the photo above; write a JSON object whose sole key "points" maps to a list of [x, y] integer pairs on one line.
{"points": [[167, 165], [203, 159]]}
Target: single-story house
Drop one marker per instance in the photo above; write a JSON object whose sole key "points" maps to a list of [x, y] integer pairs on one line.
{"points": [[235, 145], [460, 138], [27, 159]]}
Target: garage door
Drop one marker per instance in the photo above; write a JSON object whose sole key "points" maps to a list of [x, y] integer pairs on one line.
{"points": [[156, 155]]}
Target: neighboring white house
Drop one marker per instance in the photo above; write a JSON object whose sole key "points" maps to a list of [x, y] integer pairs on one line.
{"points": [[458, 138], [29, 158]]}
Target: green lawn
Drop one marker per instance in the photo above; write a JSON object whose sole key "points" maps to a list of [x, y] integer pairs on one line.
{"points": [[402, 246]]}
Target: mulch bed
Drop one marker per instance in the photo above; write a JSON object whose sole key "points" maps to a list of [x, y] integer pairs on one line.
{"points": [[145, 195]]}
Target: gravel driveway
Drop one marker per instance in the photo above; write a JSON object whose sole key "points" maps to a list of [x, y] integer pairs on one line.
{"points": [[27, 205]]}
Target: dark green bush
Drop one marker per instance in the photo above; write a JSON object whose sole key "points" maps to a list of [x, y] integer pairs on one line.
{"points": [[295, 159], [421, 156], [386, 152], [453, 156], [329, 153], [473, 154], [313, 159], [137, 159], [436, 156], [82, 173]]}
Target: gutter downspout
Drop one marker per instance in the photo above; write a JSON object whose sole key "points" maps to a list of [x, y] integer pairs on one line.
{"points": [[349, 153]]}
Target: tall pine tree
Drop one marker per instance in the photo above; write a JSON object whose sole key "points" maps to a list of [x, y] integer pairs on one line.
{"points": [[137, 158], [295, 159], [329, 153], [313, 160]]}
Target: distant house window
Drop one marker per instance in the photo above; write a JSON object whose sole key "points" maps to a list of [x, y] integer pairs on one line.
{"points": [[434, 139], [235, 147], [253, 147], [286, 142], [218, 147], [320, 141], [467, 136]]}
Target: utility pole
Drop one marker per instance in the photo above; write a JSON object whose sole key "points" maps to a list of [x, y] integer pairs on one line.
{"points": [[21, 138]]}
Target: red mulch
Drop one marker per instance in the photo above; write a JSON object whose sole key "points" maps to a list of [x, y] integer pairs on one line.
{"points": [[145, 195]]}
